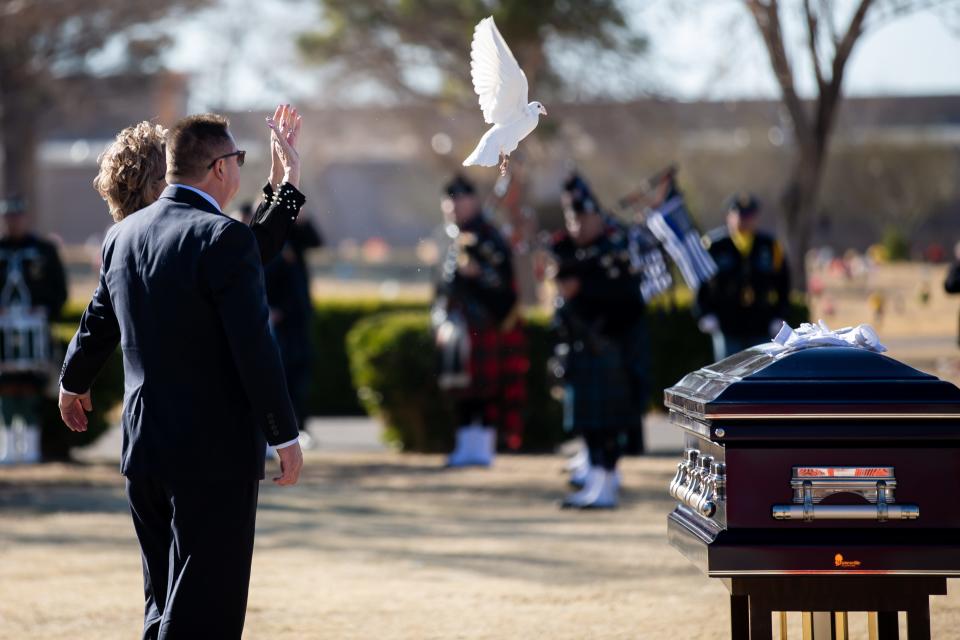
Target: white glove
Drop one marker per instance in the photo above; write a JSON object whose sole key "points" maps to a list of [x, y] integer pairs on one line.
{"points": [[708, 324]]}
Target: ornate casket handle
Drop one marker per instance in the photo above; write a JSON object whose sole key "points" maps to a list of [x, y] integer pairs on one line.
{"points": [[875, 484]]}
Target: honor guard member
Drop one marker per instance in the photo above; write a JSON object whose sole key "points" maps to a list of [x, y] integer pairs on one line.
{"points": [[746, 301], [599, 318], [33, 290], [479, 332], [37, 259]]}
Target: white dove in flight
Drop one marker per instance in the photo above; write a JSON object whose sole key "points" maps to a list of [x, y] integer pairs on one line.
{"points": [[502, 87]]}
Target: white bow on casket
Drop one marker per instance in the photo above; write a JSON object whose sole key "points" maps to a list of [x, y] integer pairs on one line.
{"points": [[862, 336]]}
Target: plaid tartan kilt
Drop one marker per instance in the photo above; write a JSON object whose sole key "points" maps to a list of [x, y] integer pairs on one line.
{"points": [[498, 366], [601, 393]]}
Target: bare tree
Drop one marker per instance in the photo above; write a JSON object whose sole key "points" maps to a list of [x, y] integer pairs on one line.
{"points": [[829, 44], [42, 41]]}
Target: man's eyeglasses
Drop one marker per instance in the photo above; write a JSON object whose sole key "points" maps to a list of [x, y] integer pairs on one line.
{"points": [[240, 153]]}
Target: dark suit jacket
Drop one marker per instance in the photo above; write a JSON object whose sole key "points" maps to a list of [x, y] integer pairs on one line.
{"points": [[181, 289]]}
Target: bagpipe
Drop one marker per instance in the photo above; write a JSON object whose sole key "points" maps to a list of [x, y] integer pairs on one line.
{"points": [[451, 335]]}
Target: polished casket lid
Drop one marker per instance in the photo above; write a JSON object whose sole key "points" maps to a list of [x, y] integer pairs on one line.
{"points": [[766, 382]]}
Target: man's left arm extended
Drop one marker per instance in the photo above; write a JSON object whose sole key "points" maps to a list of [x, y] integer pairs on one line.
{"points": [[94, 341]]}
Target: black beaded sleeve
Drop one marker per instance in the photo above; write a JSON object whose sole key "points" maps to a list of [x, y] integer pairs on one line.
{"points": [[274, 217]]}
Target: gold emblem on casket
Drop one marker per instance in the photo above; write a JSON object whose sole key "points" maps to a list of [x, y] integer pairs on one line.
{"points": [[838, 561]]}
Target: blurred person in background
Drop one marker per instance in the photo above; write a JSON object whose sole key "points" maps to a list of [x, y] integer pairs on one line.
{"points": [[34, 290], [479, 332], [132, 175], [747, 300], [243, 213], [291, 314], [603, 345], [40, 264]]}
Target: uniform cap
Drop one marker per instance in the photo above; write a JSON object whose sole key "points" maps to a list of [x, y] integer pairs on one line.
{"points": [[580, 196], [743, 203], [459, 186]]}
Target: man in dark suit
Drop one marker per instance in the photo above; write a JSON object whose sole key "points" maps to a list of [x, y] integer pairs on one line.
{"points": [[181, 290]]}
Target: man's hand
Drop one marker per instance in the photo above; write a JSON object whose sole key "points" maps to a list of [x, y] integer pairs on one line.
{"points": [[74, 408], [291, 461], [284, 157]]}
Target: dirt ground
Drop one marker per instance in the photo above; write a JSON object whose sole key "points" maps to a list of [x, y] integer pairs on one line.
{"points": [[379, 545], [373, 544]]}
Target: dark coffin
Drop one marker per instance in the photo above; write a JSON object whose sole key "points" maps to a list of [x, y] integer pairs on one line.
{"points": [[826, 460]]}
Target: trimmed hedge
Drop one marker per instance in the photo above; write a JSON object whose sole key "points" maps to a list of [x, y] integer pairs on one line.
{"points": [[392, 360], [107, 394], [332, 391]]}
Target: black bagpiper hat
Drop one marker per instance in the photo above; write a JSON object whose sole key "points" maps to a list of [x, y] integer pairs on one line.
{"points": [[459, 186], [12, 205], [580, 195], [743, 203]]}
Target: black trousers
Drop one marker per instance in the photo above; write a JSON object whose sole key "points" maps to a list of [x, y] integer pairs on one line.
{"points": [[604, 446], [196, 542]]}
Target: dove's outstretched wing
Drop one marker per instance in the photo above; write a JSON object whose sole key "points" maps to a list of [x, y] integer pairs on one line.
{"points": [[497, 78]]}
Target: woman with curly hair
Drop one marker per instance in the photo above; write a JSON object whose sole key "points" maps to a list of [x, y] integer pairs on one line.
{"points": [[132, 169], [133, 175]]}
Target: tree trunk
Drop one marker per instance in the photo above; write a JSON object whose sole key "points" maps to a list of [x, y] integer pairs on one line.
{"points": [[20, 159], [18, 130], [799, 201]]}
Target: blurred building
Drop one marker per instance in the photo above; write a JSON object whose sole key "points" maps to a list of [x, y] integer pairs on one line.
{"points": [[375, 172]]}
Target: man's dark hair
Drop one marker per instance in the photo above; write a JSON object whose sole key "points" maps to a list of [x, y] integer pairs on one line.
{"points": [[193, 142]]}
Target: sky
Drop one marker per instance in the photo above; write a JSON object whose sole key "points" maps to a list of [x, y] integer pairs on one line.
{"points": [[712, 52]]}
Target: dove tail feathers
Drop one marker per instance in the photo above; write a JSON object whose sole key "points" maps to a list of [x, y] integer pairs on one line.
{"points": [[485, 155]]}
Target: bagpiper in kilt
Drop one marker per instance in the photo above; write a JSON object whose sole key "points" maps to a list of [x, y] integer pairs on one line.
{"points": [[602, 347], [480, 337]]}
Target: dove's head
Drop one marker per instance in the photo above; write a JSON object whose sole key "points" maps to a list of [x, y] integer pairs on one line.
{"points": [[536, 109]]}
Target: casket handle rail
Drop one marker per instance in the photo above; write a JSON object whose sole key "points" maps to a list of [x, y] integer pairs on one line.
{"points": [[874, 484], [699, 483], [684, 468]]}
